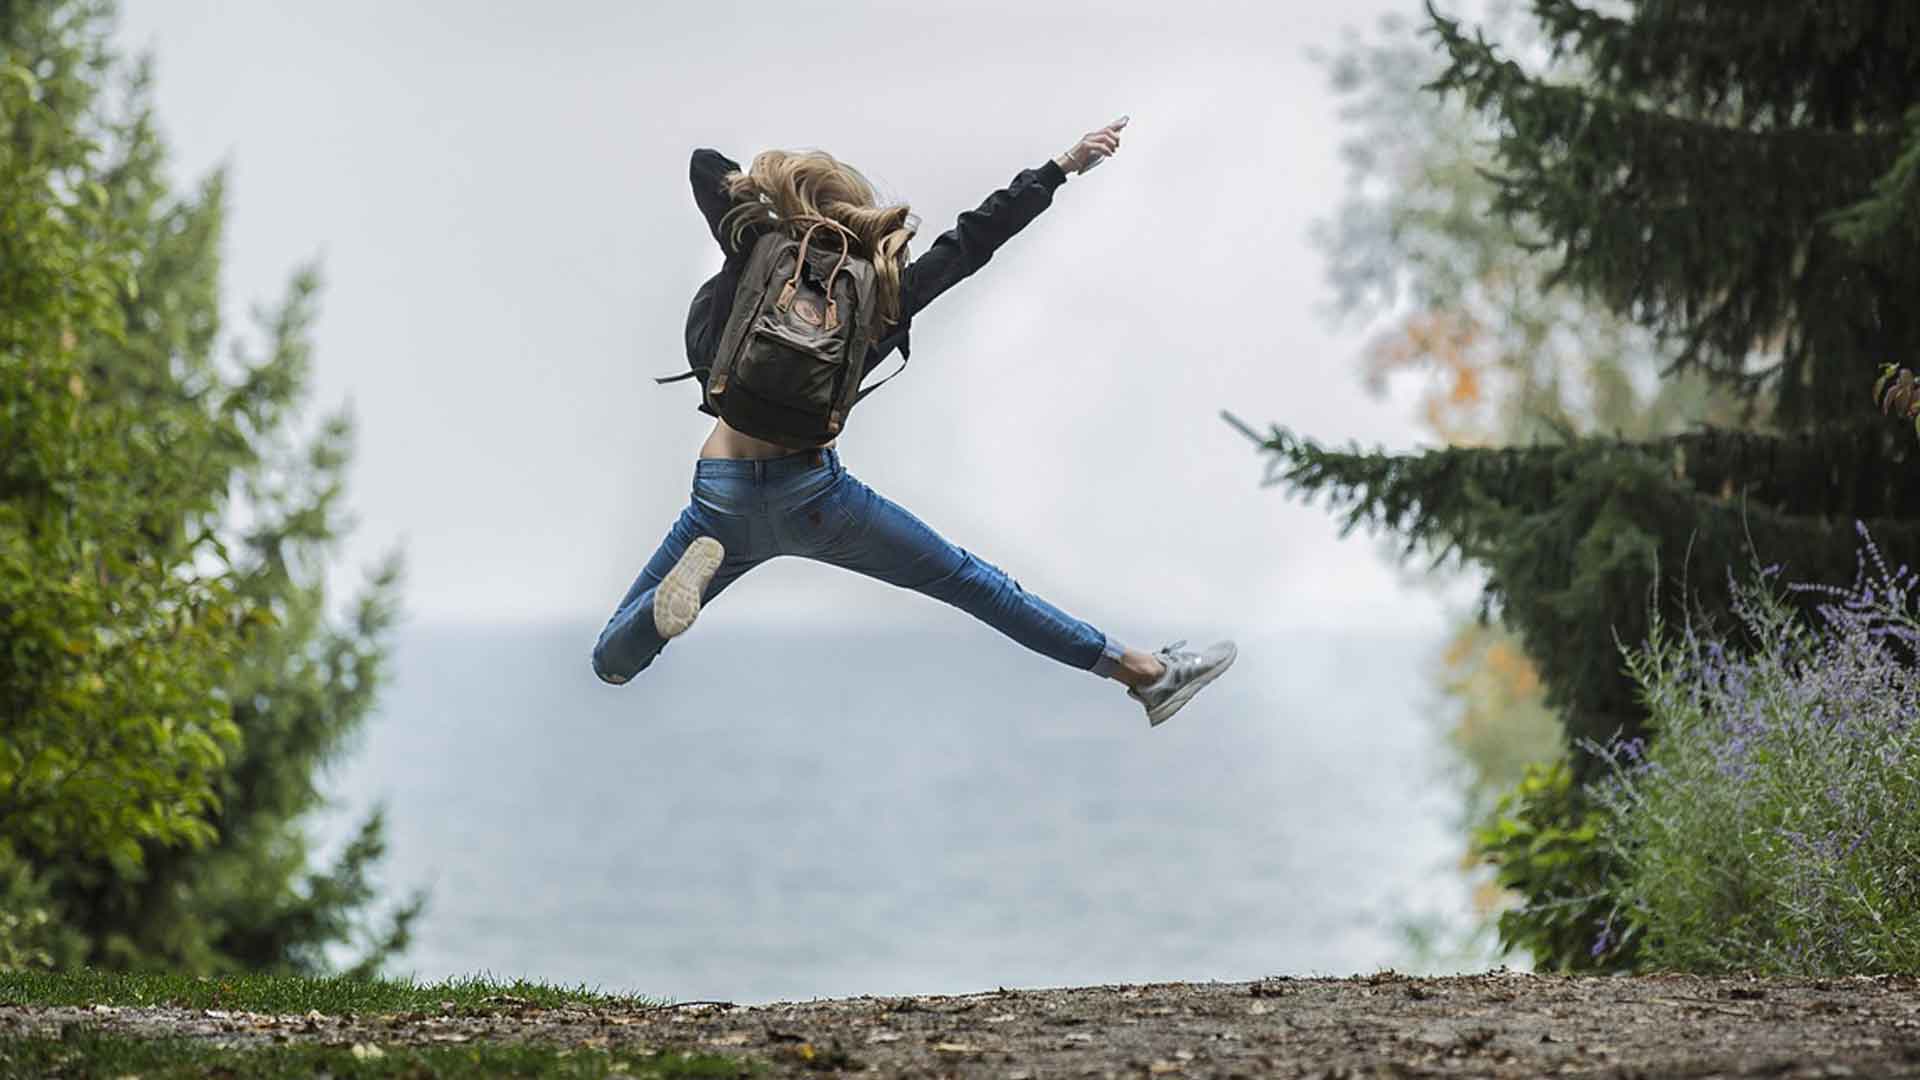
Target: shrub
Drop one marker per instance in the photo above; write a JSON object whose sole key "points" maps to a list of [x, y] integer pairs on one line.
{"points": [[1774, 823], [1550, 845]]}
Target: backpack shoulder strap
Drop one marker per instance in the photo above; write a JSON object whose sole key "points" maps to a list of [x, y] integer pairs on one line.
{"points": [[861, 396]]}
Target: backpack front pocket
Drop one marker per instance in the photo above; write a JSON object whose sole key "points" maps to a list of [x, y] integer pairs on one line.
{"points": [[794, 365]]}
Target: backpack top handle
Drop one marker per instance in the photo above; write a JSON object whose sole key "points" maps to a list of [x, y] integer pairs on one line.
{"points": [[793, 283]]}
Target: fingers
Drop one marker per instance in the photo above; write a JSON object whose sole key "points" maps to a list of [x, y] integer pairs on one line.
{"points": [[1102, 141], [1097, 145]]}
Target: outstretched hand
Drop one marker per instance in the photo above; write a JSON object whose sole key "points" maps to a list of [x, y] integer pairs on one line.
{"points": [[1093, 148]]}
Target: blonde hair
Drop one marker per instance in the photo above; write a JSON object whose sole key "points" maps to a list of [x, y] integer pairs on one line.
{"points": [[784, 188]]}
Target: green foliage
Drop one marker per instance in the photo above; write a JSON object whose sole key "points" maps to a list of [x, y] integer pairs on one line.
{"points": [[1739, 181], [90, 1056], [332, 995], [1891, 214], [1553, 847], [1572, 537], [1692, 177], [1464, 297], [1678, 180], [1774, 824], [1463, 292], [170, 678], [30, 938], [116, 649]]}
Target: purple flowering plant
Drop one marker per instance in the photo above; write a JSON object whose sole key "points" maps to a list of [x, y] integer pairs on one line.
{"points": [[1773, 823]]}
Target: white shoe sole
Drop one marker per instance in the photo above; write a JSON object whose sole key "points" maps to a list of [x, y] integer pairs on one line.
{"points": [[676, 600], [1185, 694]]}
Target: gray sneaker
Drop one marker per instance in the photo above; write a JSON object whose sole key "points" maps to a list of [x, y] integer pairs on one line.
{"points": [[1186, 673], [676, 600]]}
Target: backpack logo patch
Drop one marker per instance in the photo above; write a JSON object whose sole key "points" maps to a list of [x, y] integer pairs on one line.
{"points": [[807, 310]]}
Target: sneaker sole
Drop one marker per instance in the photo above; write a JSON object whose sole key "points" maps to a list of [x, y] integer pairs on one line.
{"points": [[676, 600], [1174, 703]]}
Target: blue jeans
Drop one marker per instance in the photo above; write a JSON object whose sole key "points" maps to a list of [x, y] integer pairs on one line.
{"points": [[806, 504]]}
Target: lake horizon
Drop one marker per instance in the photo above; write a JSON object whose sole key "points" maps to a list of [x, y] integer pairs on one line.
{"points": [[774, 815]]}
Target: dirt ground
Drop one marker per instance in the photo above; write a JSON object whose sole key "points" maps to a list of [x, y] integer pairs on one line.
{"points": [[1500, 1024]]}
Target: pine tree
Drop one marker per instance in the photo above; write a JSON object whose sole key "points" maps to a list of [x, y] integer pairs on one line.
{"points": [[1740, 179], [170, 677]]}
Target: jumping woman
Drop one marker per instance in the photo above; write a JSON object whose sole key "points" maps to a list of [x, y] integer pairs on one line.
{"points": [[754, 498]]}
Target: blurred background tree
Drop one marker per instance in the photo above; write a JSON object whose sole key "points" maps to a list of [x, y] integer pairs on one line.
{"points": [[1459, 297], [1684, 168], [171, 679], [1636, 361]]}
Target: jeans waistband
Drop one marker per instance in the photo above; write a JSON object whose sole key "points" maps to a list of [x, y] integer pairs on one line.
{"points": [[768, 468]]}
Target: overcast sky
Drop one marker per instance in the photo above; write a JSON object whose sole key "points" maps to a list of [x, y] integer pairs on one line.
{"points": [[498, 196]]}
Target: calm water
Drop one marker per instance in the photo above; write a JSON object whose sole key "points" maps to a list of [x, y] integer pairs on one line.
{"points": [[766, 815]]}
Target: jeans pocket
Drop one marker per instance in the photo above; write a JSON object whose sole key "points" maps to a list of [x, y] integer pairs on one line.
{"points": [[829, 516]]}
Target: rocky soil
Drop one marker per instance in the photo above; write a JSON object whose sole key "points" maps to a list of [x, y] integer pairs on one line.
{"points": [[1500, 1024]]}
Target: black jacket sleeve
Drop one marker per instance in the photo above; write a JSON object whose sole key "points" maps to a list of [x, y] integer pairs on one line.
{"points": [[707, 173], [965, 248], [977, 235]]}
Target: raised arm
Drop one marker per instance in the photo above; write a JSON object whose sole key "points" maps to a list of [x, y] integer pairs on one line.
{"points": [[979, 233], [707, 173]]}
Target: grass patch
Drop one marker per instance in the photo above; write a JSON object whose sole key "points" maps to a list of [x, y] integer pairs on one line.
{"points": [[333, 996], [85, 1056]]}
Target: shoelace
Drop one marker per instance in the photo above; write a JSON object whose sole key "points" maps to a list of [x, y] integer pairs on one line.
{"points": [[1177, 662]]}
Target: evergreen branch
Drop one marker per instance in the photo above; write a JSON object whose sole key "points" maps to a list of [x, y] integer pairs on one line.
{"points": [[1573, 537], [1892, 213], [1710, 234]]}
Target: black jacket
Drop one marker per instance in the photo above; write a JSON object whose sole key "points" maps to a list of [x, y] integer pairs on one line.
{"points": [[953, 255]]}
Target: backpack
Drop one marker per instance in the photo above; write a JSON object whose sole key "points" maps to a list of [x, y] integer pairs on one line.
{"points": [[789, 363]]}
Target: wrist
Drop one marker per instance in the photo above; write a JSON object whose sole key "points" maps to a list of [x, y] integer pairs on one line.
{"points": [[1065, 162]]}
